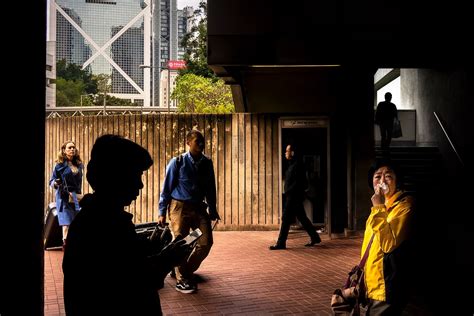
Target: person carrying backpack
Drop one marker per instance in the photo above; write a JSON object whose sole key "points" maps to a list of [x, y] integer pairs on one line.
{"points": [[190, 181]]}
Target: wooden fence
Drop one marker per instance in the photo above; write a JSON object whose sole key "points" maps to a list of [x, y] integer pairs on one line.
{"points": [[243, 147]]}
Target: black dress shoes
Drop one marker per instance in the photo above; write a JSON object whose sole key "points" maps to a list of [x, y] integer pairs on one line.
{"points": [[277, 247], [313, 242]]}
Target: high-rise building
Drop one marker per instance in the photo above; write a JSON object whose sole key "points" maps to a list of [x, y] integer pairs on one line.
{"points": [[51, 56], [73, 48], [131, 41], [127, 52]]}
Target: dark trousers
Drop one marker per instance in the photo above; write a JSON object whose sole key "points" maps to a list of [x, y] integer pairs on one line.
{"points": [[381, 308], [386, 128], [294, 208]]}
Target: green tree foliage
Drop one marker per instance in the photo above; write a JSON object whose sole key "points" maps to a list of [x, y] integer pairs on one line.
{"points": [[68, 92], [198, 89], [198, 94], [73, 82], [73, 72], [195, 44]]}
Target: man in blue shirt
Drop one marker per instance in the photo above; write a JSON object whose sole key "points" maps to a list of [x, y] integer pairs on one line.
{"points": [[189, 180]]}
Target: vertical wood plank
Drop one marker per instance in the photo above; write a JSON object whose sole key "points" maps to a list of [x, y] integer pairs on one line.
{"points": [[80, 143], [241, 170], [255, 170], [248, 169], [133, 206], [162, 149], [235, 170], [275, 172], [220, 175], [182, 133], [261, 170], [141, 200], [156, 166], [150, 173], [228, 170], [116, 123], [214, 144], [268, 170], [86, 152]]}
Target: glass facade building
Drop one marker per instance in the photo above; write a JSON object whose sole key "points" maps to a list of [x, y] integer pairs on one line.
{"points": [[130, 41]]}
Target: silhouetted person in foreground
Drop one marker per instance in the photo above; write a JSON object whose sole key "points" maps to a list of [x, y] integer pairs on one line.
{"points": [[384, 115], [295, 186], [107, 269]]}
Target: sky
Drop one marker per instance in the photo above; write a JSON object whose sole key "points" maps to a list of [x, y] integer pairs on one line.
{"points": [[192, 3]]}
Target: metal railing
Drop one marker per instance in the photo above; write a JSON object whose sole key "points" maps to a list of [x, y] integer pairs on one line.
{"points": [[449, 139], [99, 110]]}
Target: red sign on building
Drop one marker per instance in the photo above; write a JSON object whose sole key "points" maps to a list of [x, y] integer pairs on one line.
{"points": [[176, 64]]}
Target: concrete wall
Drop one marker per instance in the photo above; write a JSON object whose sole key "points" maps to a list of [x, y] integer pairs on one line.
{"points": [[447, 92], [290, 90]]}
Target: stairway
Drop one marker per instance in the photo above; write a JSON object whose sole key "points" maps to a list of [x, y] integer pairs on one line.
{"points": [[425, 177], [422, 167]]}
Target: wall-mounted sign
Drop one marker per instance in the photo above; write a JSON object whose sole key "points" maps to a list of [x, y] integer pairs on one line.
{"points": [[176, 64], [302, 123]]}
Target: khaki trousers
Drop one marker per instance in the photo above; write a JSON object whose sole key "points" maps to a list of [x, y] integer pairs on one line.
{"points": [[184, 217]]}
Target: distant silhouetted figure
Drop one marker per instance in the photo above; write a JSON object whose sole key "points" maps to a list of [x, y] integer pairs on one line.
{"points": [[107, 269], [385, 114], [295, 186]]}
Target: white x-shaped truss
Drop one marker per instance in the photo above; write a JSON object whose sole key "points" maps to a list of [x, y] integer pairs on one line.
{"points": [[101, 50]]}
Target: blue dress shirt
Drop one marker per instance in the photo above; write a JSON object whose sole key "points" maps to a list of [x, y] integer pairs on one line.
{"points": [[193, 182]]}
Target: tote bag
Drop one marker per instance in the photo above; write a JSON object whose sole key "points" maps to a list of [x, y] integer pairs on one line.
{"points": [[397, 128]]}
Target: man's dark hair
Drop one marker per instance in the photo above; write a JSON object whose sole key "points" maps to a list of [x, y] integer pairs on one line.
{"points": [[385, 162], [194, 134]]}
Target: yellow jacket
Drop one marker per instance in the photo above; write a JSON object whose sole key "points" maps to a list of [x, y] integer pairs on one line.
{"points": [[390, 224]]}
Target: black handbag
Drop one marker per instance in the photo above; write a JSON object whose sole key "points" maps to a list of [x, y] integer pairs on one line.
{"points": [[397, 128]]}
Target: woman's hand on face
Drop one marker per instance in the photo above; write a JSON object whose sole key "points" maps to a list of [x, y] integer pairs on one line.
{"points": [[378, 198]]}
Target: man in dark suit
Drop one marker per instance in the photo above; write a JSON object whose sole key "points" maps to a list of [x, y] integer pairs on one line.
{"points": [[295, 185]]}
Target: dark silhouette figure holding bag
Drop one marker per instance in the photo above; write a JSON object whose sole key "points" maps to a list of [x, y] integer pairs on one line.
{"points": [[108, 269], [384, 115]]}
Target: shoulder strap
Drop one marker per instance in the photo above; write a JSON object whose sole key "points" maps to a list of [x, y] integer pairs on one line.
{"points": [[366, 254], [179, 163]]}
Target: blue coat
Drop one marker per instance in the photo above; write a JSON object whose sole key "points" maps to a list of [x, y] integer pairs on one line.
{"points": [[70, 183]]}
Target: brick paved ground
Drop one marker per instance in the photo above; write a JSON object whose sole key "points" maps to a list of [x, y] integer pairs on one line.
{"points": [[241, 276]]}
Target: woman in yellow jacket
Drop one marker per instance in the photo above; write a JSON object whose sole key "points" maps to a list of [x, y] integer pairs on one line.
{"points": [[389, 221]]}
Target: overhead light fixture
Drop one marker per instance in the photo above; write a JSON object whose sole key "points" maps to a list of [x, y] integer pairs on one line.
{"points": [[292, 66]]}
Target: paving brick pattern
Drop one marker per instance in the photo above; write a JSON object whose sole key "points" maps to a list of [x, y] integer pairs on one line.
{"points": [[53, 283], [242, 277]]}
